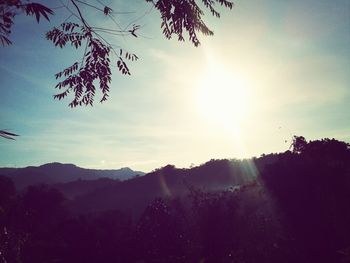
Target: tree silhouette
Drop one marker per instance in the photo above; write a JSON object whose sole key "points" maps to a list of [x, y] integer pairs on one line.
{"points": [[311, 186], [298, 144], [296, 210], [177, 18]]}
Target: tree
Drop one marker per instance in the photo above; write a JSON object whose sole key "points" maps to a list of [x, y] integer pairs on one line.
{"points": [[311, 188], [178, 17], [298, 144]]}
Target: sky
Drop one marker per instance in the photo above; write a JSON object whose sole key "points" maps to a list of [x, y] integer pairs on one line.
{"points": [[273, 69]]}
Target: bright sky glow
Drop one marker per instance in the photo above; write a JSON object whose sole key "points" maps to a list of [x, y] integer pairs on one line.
{"points": [[223, 97], [273, 69]]}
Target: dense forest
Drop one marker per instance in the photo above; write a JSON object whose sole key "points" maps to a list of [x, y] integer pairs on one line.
{"points": [[285, 207]]}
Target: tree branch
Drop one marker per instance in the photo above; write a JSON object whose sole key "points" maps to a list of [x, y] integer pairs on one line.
{"points": [[81, 16]]}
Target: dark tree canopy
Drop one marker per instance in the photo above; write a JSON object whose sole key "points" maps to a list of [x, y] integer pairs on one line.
{"points": [[296, 209], [82, 79]]}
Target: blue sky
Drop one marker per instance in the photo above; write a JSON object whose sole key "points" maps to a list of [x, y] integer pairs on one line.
{"points": [[283, 65]]}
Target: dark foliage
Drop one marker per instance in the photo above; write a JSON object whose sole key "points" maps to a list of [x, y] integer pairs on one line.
{"points": [[10, 8], [93, 72], [312, 187], [95, 65], [296, 210], [179, 16]]}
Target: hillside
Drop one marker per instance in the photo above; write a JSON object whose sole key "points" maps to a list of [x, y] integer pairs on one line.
{"points": [[53, 173], [286, 207], [134, 195]]}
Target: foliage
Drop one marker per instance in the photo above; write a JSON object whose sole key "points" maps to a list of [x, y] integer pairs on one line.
{"points": [[298, 144], [177, 17], [295, 211], [10, 8], [7, 135], [311, 185], [7, 190], [94, 66]]}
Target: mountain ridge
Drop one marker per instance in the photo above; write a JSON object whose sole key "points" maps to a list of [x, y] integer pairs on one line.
{"points": [[55, 172]]}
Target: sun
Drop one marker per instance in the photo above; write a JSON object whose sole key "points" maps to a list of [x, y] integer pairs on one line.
{"points": [[222, 97]]}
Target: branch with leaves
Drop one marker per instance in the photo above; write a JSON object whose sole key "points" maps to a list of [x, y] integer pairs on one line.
{"points": [[95, 65], [178, 17], [10, 8]]}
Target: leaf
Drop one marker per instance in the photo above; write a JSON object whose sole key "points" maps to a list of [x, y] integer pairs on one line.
{"points": [[107, 10], [38, 10], [8, 135], [123, 68], [5, 41]]}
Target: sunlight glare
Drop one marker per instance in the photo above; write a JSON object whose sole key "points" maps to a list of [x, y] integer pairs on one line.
{"points": [[222, 97]]}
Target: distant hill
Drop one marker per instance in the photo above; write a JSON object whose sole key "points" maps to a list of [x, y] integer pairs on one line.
{"points": [[53, 173], [134, 195]]}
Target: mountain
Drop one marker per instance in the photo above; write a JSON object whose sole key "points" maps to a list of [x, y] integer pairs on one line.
{"points": [[53, 173], [134, 195], [308, 162]]}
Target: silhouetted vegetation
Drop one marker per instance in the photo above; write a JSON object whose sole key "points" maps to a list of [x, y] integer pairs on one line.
{"points": [[177, 18], [293, 208], [7, 135]]}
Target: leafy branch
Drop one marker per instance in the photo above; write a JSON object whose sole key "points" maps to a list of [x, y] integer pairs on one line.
{"points": [[177, 18], [95, 64], [10, 8]]}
